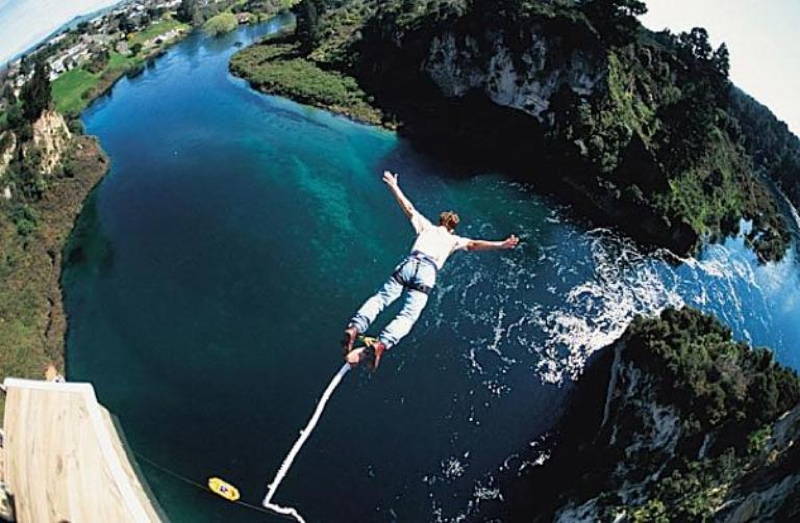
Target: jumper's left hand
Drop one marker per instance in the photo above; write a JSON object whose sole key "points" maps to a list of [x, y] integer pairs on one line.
{"points": [[510, 242]]}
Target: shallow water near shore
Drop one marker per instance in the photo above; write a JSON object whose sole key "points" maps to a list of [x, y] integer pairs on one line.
{"points": [[215, 266]]}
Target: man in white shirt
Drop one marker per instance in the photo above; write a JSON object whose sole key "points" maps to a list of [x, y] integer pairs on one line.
{"points": [[416, 274]]}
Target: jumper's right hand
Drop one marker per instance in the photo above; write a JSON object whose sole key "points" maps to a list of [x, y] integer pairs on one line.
{"points": [[389, 179], [354, 357]]}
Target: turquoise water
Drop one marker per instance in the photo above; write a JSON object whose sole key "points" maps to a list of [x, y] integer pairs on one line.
{"points": [[215, 266]]}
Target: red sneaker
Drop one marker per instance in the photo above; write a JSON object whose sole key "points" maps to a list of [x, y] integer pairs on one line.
{"points": [[349, 338]]}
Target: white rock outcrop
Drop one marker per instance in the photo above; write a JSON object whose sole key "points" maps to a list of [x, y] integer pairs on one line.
{"points": [[50, 137], [458, 65]]}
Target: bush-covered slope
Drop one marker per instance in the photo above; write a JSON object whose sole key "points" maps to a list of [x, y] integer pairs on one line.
{"points": [[574, 96], [46, 171]]}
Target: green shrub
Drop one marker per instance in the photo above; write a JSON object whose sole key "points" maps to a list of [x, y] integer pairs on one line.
{"points": [[25, 219], [220, 24]]}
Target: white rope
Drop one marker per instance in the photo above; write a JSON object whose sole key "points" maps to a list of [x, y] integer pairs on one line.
{"points": [[304, 434]]}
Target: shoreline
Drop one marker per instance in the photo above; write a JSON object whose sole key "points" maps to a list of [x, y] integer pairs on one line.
{"points": [[38, 330], [57, 339]]}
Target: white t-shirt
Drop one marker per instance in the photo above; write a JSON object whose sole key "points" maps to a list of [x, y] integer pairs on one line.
{"points": [[435, 241]]}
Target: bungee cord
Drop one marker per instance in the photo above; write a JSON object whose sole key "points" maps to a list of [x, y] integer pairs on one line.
{"points": [[304, 435]]}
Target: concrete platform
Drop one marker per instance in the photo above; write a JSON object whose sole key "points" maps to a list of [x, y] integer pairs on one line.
{"points": [[65, 461]]}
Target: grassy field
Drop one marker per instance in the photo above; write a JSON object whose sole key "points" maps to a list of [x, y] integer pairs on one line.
{"points": [[73, 90], [69, 88]]}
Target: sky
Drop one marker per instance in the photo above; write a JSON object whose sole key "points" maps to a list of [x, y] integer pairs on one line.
{"points": [[26, 22], [765, 55], [761, 36]]}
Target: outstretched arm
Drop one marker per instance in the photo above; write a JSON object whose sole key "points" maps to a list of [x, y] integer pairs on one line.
{"points": [[484, 245], [391, 181]]}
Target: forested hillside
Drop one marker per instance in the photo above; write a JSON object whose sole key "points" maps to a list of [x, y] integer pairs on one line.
{"points": [[773, 147], [576, 97]]}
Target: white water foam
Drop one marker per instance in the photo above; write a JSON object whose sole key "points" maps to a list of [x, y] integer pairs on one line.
{"points": [[596, 312], [592, 301]]}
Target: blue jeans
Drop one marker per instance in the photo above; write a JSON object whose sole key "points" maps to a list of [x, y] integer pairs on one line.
{"points": [[412, 271]]}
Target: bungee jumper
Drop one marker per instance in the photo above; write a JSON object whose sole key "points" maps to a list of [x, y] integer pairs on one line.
{"points": [[416, 275]]}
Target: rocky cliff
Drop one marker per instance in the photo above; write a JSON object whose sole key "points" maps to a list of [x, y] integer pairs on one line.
{"points": [[527, 81], [691, 426], [31, 155], [49, 141], [8, 146]]}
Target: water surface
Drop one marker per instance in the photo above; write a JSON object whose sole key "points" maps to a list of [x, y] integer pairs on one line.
{"points": [[215, 266]]}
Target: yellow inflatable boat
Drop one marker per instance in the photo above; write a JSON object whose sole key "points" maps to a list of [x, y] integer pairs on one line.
{"points": [[223, 488]]}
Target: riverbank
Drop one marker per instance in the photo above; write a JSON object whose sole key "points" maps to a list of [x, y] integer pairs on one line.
{"points": [[34, 231], [278, 67], [76, 88], [32, 320]]}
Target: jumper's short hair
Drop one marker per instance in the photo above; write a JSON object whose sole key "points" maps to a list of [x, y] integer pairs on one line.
{"points": [[449, 219]]}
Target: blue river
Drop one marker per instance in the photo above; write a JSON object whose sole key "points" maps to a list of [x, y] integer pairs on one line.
{"points": [[212, 270]]}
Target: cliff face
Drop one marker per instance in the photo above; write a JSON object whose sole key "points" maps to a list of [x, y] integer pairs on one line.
{"points": [[8, 145], [771, 489], [37, 157], [458, 65], [683, 436]]}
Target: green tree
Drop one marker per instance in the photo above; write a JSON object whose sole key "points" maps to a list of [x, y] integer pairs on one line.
{"points": [[190, 12], [35, 94], [24, 64], [135, 48], [8, 94], [98, 61], [14, 117], [308, 13], [615, 20], [126, 25], [155, 13], [221, 23]]}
